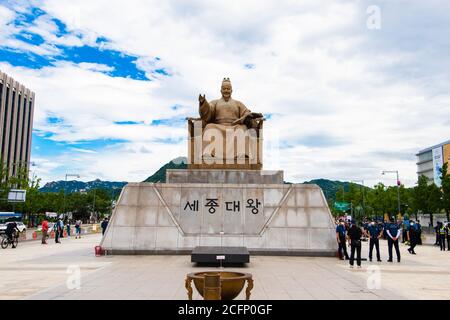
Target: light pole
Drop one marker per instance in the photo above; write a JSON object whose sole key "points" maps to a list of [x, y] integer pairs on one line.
{"points": [[65, 182], [363, 197], [398, 187]]}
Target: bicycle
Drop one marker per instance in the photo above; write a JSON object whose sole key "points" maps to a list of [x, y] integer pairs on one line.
{"points": [[6, 242]]}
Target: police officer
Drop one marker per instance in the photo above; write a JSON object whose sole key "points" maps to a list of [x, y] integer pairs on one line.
{"points": [[448, 236], [393, 233], [419, 232], [374, 234], [412, 237], [443, 233], [341, 233]]}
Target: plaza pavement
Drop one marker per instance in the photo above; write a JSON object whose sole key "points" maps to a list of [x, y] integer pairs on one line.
{"points": [[34, 271]]}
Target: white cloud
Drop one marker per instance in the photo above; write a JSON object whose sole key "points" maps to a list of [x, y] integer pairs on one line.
{"points": [[318, 70]]}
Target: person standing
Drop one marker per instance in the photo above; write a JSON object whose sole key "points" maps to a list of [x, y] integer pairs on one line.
{"points": [[443, 232], [374, 234], [61, 228], [78, 229], [104, 225], [393, 234], [419, 232], [354, 237], [68, 228], [448, 236], [412, 237], [341, 240], [436, 230], [57, 230], [44, 231]]}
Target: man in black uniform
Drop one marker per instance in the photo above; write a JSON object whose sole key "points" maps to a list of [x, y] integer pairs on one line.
{"points": [[443, 232], [412, 237], [341, 233], [393, 233], [374, 233], [10, 228], [354, 237]]}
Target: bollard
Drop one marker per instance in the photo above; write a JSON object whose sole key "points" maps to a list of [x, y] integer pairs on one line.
{"points": [[211, 289], [98, 251]]}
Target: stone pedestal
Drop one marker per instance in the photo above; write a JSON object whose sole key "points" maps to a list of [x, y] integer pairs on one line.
{"points": [[224, 176], [267, 217]]}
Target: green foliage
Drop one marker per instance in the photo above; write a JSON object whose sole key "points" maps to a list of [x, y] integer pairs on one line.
{"points": [[380, 200], [445, 180]]}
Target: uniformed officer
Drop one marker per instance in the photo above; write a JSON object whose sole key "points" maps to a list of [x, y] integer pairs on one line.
{"points": [[419, 232], [412, 237], [374, 234], [443, 232], [393, 233], [448, 236], [341, 234]]}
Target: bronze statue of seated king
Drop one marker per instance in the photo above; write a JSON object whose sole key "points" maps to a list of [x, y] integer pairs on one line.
{"points": [[226, 136]]}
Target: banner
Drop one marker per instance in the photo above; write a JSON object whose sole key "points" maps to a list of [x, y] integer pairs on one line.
{"points": [[438, 162]]}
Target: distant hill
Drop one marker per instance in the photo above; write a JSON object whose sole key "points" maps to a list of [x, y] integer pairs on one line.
{"points": [[329, 187], [160, 175], [77, 186]]}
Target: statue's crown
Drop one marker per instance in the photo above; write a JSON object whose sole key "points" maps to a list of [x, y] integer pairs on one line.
{"points": [[226, 80]]}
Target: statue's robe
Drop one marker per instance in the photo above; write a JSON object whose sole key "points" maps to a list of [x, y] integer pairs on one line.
{"points": [[219, 115]]}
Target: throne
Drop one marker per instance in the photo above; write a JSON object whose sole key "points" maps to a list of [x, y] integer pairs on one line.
{"points": [[196, 146]]}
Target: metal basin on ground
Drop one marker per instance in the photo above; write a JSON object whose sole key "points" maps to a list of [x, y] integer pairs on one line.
{"points": [[231, 283]]}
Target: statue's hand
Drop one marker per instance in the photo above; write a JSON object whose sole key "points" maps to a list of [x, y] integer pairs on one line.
{"points": [[201, 99], [239, 121]]}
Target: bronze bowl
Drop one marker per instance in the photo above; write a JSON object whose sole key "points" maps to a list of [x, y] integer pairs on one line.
{"points": [[231, 283]]}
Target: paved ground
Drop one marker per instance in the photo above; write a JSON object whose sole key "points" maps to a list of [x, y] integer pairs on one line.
{"points": [[33, 271]]}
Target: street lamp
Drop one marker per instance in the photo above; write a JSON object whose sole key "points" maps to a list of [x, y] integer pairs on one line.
{"points": [[65, 182], [398, 187]]}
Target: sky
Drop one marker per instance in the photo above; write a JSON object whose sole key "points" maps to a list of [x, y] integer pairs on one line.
{"points": [[349, 88]]}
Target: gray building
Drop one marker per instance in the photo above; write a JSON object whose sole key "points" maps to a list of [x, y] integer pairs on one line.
{"points": [[16, 124], [431, 160]]}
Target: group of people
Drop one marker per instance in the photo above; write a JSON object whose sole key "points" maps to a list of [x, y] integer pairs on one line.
{"points": [[58, 228], [442, 235], [374, 231]]}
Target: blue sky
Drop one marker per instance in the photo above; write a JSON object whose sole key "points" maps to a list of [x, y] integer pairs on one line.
{"points": [[114, 83]]}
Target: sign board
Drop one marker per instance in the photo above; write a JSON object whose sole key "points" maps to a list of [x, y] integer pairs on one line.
{"points": [[438, 162], [51, 214], [17, 195], [342, 206]]}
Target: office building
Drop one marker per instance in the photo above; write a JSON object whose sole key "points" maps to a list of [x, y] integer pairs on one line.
{"points": [[16, 124], [431, 160]]}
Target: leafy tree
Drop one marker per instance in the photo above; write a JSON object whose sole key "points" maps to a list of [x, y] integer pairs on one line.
{"points": [[445, 180]]}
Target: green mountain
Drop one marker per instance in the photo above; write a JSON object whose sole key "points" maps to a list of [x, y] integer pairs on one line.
{"points": [[330, 187], [79, 186], [160, 175]]}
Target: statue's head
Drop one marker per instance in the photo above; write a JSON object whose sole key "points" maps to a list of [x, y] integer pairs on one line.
{"points": [[226, 88]]}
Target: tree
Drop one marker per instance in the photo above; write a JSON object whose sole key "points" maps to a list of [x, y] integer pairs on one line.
{"points": [[420, 197], [445, 183]]}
